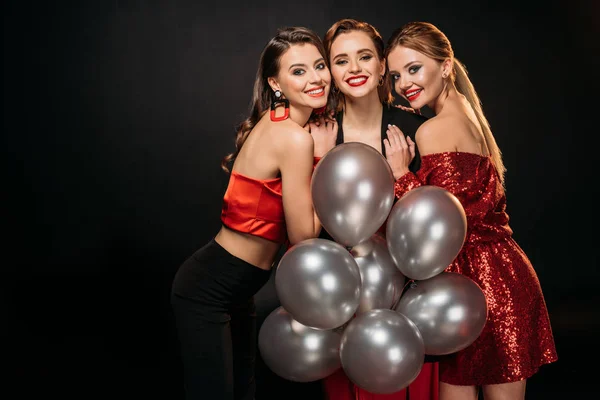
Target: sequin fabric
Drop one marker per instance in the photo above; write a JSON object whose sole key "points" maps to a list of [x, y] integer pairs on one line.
{"points": [[517, 338]]}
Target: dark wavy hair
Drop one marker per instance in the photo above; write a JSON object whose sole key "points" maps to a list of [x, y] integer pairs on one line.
{"points": [[268, 66]]}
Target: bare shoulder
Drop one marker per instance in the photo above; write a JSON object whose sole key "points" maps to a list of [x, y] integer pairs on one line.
{"points": [[289, 136], [434, 128], [439, 134]]}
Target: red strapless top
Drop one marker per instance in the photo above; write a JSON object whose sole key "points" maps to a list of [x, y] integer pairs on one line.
{"points": [[255, 206]]}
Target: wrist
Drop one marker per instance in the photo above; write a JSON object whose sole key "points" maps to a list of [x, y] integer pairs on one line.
{"points": [[399, 174], [321, 151]]}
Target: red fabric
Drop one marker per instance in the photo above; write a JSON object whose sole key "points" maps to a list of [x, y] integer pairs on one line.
{"points": [[255, 206], [425, 387], [517, 338]]}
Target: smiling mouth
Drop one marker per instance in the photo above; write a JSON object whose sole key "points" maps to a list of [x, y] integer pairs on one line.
{"points": [[318, 92], [357, 81], [413, 94]]}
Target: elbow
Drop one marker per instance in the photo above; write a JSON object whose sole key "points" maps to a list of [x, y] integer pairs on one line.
{"points": [[301, 236]]}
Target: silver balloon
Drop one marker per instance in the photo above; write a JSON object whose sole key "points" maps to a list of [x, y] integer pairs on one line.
{"points": [[425, 231], [449, 309], [318, 282], [296, 352], [382, 282], [382, 351], [352, 192]]}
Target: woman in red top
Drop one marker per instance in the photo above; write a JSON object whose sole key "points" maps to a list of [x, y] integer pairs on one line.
{"points": [[459, 153], [267, 203]]}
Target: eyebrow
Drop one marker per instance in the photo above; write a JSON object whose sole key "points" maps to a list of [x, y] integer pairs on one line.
{"points": [[304, 65], [359, 52], [393, 71]]}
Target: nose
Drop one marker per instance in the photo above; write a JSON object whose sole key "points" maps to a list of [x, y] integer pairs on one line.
{"points": [[315, 76], [404, 82], [354, 67]]}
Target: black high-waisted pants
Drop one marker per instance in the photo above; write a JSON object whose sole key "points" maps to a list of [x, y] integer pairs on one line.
{"points": [[213, 301]]}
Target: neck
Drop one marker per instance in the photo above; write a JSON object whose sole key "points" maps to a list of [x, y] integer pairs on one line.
{"points": [[448, 92], [300, 115], [363, 113]]}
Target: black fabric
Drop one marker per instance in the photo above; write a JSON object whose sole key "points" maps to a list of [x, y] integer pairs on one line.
{"points": [[215, 278], [408, 123], [213, 304]]}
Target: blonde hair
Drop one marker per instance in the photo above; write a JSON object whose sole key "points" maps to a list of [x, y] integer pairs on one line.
{"points": [[427, 39]]}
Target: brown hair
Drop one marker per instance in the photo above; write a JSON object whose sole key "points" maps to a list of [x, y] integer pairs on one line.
{"points": [[350, 25], [268, 66], [427, 39]]}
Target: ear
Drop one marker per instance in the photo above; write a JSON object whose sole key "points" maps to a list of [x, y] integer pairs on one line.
{"points": [[273, 83], [447, 67]]}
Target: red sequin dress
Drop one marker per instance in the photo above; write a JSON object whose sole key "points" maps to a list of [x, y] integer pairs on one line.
{"points": [[517, 338]]}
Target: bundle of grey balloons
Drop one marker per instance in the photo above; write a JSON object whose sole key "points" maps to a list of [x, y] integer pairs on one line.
{"points": [[344, 303]]}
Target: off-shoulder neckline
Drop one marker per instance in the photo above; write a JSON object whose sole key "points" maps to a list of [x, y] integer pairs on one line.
{"points": [[233, 172], [454, 153]]}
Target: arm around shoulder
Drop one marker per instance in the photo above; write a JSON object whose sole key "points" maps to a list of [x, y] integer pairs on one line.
{"points": [[296, 166]]}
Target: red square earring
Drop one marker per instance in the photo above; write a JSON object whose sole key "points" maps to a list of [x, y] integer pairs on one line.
{"points": [[277, 99]]}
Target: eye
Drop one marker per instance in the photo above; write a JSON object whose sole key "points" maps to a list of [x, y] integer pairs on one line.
{"points": [[298, 71], [366, 57], [395, 77], [414, 68], [341, 62], [321, 66]]}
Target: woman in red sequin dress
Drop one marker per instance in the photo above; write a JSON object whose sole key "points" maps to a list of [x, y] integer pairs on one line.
{"points": [[459, 154]]}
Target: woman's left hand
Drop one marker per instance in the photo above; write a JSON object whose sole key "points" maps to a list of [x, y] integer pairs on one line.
{"points": [[399, 150]]}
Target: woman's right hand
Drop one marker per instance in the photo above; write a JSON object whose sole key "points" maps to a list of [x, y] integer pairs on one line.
{"points": [[408, 109], [399, 151], [324, 133]]}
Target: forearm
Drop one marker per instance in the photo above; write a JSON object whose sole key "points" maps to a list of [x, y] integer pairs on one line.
{"points": [[317, 225], [317, 222], [406, 183]]}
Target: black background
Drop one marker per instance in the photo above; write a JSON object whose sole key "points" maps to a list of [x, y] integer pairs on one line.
{"points": [[117, 114]]}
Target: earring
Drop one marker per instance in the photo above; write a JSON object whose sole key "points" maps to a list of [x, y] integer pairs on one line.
{"points": [[381, 80], [278, 99], [444, 75]]}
